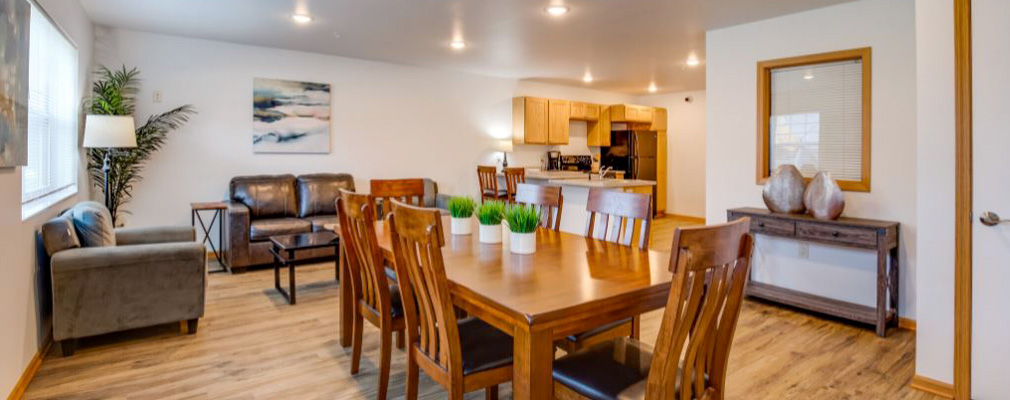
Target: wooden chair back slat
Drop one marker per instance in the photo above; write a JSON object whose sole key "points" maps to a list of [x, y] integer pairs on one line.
{"points": [[546, 199], [619, 217], [417, 241], [364, 257], [710, 266], [513, 177], [410, 191], [487, 176]]}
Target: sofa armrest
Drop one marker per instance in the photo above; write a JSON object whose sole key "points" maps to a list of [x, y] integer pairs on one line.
{"points": [[236, 241], [152, 235], [127, 256], [442, 201]]}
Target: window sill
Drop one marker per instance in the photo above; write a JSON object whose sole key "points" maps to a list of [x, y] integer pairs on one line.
{"points": [[32, 208]]}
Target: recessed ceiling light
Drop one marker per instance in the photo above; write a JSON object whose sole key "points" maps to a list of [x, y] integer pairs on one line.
{"points": [[457, 44], [301, 18], [557, 10], [652, 87], [693, 61], [587, 78]]}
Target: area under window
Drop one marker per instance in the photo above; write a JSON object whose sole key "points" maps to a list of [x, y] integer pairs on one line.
{"points": [[51, 173], [815, 114]]}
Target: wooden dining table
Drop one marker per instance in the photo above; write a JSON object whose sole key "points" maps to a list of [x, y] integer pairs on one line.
{"points": [[570, 285]]}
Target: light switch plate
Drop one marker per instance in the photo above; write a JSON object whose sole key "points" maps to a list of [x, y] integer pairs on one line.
{"points": [[157, 96]]}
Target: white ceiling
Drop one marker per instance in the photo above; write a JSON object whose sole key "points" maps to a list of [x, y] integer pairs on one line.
{"points": [[625, 44]]}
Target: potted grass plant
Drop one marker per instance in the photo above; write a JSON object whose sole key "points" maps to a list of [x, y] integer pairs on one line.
{"points": [[522, 221], [461, 210], [490, 215]]}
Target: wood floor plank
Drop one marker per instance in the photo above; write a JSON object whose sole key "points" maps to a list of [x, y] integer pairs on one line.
{"points": [[253, 345]]}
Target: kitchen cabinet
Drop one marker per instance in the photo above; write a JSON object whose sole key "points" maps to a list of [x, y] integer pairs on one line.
{"points": [[559, 116], [599, 131], [530, 122], [585, 111], [631, 113], [661, 170], [658, 119], [593, 112]]}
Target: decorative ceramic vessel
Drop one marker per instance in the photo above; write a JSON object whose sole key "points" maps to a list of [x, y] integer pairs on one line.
{"points": [[461, 226], [783, 193], [823, 198], [490, 234], [523, 243]]}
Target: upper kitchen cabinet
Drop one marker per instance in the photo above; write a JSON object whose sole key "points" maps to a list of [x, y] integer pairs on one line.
{"points": [[585, 111], [659, 119], [559, 115], [631, 113], [530, 120], [599, 129]]}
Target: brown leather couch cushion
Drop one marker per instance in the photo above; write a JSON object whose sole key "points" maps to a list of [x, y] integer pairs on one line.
{"points": [[266, 196], [319, 222], [317, 193], [263, 229]]}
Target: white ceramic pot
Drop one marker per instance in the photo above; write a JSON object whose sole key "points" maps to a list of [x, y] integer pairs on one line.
{"points": [[461, 226], [523, 243], [490, 233]]}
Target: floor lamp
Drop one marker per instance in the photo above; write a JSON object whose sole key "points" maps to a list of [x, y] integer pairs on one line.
{"points": [[109, 132]]}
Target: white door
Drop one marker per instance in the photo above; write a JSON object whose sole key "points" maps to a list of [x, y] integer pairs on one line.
{"points": [[991, 170]]}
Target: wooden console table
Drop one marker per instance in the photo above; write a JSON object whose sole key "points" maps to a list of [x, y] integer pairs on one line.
{"points": [[880, 236]]}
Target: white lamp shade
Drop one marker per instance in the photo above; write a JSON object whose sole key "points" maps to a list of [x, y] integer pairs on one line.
{"points": [[107, 131], [505, 145]]}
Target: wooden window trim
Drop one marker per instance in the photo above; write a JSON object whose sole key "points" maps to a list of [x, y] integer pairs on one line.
{"points": [[764, 69]]}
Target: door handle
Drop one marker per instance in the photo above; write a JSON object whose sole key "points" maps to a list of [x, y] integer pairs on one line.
{"points": [[990, 218]]}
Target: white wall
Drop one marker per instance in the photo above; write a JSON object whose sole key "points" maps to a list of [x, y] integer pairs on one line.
{"points": [[20, 334], [888, 26], [934, 355], [389, 121], [685, 151]]}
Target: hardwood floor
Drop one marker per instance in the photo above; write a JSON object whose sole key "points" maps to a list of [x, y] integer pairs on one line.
{"points": [[252, 344]]}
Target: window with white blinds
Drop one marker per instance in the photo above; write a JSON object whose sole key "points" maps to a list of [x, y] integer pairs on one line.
{"points": [[51, 173], [816, 118]]}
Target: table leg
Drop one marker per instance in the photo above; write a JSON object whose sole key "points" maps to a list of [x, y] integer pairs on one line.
{"points": [[346, 319], [882, 284], [894, 275], [533, 355], [291, 279]]}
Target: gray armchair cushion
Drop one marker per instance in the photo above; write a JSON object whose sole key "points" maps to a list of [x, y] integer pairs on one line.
{"points": [[263, 229], [58, 234], [160, 234], [317, 193], [430, 192], [266, 196], [93, 224]]}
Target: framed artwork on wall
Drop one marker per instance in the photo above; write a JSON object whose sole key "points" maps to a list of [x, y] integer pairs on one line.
{"points": [[14, 22], [291, 116]]}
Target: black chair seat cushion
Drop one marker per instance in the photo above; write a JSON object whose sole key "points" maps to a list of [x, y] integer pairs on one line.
{"points": [[263, 229], [484, 347], [597, 330], [319, 222], [603, 371], [397, 303]]}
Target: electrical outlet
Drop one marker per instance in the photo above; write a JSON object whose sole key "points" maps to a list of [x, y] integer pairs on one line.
{"points": [[804, 250], [157, 96]]}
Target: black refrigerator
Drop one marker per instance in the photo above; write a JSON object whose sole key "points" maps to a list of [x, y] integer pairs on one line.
{"points": [[633, 152]]}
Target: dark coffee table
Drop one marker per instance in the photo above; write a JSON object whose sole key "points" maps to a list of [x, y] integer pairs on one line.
{"points": [[284, 249]]}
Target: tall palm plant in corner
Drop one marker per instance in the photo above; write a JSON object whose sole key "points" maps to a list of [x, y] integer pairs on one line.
{"points": [[114, 93]]}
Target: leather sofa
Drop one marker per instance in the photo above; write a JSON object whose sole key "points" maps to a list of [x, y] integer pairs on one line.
{"points": [[109, 280]]}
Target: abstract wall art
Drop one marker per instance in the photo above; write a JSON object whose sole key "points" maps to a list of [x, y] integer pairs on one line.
{"points": [[290, 116], [14, 22]]}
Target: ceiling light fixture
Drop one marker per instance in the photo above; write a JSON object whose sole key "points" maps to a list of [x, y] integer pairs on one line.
{"points": [[301, 18], [652, 87], [693, 61], [808, 76], [457, 44], [587, 78], [557, 10]]}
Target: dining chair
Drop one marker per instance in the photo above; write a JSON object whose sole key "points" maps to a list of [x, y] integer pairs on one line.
{"points": [[513, 177], [546, 199], [375, 298], [409, 191], [613, 217], [461, 355], [487, 176], [710, 266]]}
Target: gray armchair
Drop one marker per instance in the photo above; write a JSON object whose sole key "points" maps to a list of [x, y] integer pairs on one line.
{"points": [[148, 276]]}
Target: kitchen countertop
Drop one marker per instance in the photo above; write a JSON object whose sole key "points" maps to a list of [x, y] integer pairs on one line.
{"points": [[541, 174], [602, 183]]}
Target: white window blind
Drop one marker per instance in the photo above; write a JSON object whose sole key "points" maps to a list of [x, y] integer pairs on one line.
{"points": [[817, 118], [52, 115]]}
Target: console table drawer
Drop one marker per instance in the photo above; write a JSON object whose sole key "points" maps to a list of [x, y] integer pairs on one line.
{"points": [[841, 235], [772, 226]]}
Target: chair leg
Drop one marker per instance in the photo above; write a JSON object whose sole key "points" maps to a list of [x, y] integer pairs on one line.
{"points": [[636, 327], [191, 325], [411, 375], [491, 392], [385, 352], [356, 341], [68, 346], [401, 339]]}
